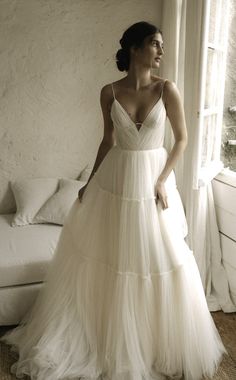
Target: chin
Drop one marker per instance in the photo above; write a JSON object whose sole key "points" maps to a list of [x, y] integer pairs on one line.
{"points": [[156, 65]]}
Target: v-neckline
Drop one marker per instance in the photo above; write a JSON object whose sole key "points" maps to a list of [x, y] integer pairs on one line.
{"points": [[143, 123]]}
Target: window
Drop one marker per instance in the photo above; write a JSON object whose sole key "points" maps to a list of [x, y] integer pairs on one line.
{"points": [[212, 84], [228, 146]]}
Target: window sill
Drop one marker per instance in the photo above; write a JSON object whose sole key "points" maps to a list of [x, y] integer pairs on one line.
{"points": [[227, 176]]}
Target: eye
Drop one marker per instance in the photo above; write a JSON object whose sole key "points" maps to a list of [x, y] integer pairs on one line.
{"points": [[157, 44]]}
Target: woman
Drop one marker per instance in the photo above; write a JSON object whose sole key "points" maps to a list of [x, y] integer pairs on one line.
{"points": [[123, 298]]}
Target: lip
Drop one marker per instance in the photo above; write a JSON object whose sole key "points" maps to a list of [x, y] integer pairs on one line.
{"points": [[158, 59]]}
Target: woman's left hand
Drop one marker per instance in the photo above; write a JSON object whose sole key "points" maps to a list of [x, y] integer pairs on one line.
{"points": [[161, 194]]}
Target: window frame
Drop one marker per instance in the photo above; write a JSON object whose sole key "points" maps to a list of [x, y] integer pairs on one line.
{"points": [[205, 173]]}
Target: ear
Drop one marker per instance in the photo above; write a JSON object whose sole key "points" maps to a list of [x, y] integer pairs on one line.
{"points": [[133, 50]]}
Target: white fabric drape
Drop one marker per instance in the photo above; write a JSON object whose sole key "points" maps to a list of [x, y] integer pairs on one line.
{"points": [[173, 27], [182, 28]]}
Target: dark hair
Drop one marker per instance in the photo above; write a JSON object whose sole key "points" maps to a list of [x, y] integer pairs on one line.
{"points": [[133, 36]]}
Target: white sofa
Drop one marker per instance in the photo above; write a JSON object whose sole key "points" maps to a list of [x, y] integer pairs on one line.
{"points": [[25, 253], [28, 239]]}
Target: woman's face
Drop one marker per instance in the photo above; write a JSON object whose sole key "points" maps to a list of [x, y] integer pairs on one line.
{"points": [[149, 55]]}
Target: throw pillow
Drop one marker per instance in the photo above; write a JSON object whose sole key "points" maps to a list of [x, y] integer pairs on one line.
{"points": [[57, 207], [30, 194]]}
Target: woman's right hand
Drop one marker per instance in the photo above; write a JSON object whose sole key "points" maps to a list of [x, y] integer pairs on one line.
{"points": [[81, 192]]}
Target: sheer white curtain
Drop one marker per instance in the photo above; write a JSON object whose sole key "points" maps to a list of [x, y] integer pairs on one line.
{"points": [[182, 26], [173, 65]]}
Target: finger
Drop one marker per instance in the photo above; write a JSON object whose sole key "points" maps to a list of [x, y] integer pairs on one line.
{"points": [[162, 202], [165, 203]]}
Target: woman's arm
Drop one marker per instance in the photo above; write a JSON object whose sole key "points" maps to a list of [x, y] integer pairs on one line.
{"points": [[108, 135], [175, 113]]}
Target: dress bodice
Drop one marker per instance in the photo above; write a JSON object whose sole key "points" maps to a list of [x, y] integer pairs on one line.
{"points": [[149, 136]]}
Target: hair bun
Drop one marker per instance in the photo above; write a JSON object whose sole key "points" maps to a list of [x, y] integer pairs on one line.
{"points": [[122, 59]]}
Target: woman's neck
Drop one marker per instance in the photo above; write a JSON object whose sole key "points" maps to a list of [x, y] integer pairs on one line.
{"points": [[138, 77]]}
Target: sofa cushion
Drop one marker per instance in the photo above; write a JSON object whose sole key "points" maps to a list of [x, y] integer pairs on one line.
{"points": [[16, 301], [25, 252], [58, 205], [85, 173], [30, 194]]}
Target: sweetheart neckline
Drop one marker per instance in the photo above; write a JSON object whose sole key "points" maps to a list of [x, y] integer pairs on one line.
{"points": [[127, 115]]}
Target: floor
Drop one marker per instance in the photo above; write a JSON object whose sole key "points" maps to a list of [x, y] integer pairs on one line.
{"points": [[226, 325]]}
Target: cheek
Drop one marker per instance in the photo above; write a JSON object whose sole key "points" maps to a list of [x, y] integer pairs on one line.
{"points": [[149, 52]]}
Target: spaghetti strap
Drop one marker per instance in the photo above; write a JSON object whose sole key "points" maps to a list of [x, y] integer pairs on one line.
{"points": [[163, 87], [113, 90]]}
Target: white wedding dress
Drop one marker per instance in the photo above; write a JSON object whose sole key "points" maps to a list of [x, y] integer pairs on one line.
{"points": [[123, 298]]}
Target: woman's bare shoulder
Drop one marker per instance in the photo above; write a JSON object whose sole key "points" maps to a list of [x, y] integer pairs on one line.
{"points": [[107, 87], [170, 88], [171, 93], [106, 94], [158, 80], [158, 83]]}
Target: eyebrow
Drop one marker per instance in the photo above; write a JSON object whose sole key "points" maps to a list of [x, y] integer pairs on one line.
{"points": [[153, 39]]}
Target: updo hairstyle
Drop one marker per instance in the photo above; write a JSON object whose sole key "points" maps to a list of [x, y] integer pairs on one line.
{"points": [[133, 36]]}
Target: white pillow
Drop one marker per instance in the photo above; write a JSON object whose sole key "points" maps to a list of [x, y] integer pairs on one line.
{"points": [[84, 175], [57, 207], [30, 194]]}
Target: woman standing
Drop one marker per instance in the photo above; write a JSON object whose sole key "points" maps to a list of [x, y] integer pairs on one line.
{"points": [[123, 298]]}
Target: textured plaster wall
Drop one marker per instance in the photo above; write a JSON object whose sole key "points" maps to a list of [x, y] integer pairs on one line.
{"points": [[55, 55]]}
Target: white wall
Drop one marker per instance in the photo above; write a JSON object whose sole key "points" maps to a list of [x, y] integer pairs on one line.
{"points": [[55, 55]]}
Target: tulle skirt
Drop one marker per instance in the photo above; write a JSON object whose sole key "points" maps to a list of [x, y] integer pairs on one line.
{"points": [[123, 297]]}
